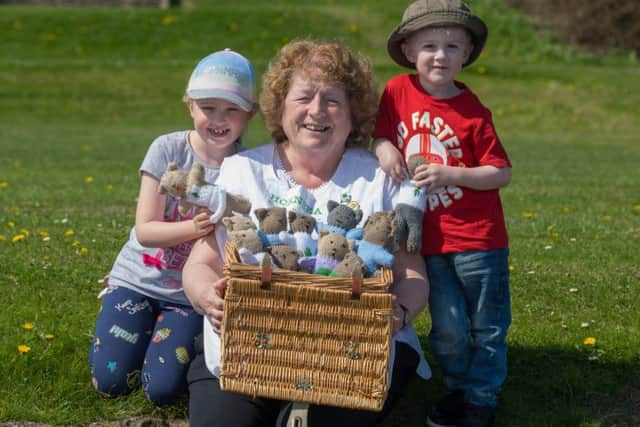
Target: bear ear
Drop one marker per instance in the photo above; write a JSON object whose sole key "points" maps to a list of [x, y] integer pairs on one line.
{"points": [[322, 234], [292, 216], [331, 205], [358, 215], [172, 166], [162, 189], [227, 222], [261, 213]]}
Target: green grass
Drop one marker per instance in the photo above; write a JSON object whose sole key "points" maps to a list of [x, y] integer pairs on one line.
{"points": [[84, 91]]}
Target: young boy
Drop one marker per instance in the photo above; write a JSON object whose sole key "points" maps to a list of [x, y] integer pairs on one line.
{"points": [[465, 241]]}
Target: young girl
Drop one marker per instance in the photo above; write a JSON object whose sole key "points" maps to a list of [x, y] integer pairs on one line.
{"points": [[144, 332]]}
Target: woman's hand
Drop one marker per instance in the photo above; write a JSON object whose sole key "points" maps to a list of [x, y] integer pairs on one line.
{"points": [[211, 303]]}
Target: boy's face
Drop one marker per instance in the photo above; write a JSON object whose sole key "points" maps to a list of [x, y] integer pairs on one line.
{"points": [[218, 121], [439, 54]]}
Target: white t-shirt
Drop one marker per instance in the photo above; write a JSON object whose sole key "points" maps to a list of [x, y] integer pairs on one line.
{"points": [[358, 181]]}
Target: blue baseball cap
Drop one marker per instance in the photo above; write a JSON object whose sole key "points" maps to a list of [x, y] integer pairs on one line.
{"points": [[226, 75]]}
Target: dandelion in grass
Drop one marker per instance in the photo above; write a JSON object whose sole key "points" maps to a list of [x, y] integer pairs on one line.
{"points": [[75, 243], [24, 349], [606, 217], [43, 233], [511, 267], [590, 341], [636, 208], [25, 231], [168, 20], [11, 224], [232, 27], [17, 238], [27, 326], [109, 187], [69, 233], [481, 70], [85, 148], [88, 180], [353, 28], [49, 337], [84, 250], [566, 210], [529, 215], [2, 238], [3, 185]]}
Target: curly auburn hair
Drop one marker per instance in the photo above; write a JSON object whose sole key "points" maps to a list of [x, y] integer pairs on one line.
{"points": [[331, 62]]}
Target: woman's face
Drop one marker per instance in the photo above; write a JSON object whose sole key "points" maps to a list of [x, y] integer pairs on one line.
{"points": [[316, 114]]}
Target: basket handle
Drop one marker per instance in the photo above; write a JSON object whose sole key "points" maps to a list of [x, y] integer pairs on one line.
{"points": [[265, 273], [356, 284]]}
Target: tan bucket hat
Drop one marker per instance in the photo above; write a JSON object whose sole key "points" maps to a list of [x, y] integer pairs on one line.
{"points": [[436, 13]]}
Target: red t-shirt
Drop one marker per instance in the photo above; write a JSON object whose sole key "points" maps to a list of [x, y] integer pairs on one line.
{"points": [[459, 132]]}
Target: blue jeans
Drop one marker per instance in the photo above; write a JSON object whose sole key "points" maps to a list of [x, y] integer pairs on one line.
{"points": [[470, 314]]}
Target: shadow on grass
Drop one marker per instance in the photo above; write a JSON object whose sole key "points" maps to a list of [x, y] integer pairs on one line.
{"points": [[545, 387]]}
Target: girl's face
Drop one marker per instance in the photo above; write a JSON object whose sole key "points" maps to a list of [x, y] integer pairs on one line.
{"points": [[316, 114], [439, 54], [217, 121]]}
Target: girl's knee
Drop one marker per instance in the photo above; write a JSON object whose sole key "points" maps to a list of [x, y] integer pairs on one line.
{"points": [[111, 387], [163, 393]]}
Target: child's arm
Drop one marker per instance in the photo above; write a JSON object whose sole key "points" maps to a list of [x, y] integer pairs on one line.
{"points": [[390, 158], [153, 231], [478, 178]]}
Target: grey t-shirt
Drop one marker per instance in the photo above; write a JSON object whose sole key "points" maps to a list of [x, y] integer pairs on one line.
{"points": [[157, 272]]}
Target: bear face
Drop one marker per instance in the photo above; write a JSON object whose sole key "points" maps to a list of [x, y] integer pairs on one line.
{"points": [[301, 222], [238, 223], [173, 181], [285, 257], [351, 265], [333, 245], [271, 220], [380, 229], [342, 215], [413, 162], [247, 239]]}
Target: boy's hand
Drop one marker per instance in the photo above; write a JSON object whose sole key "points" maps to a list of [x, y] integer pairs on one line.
{"points": [[202, 225], [390, 160], [433, 176]]}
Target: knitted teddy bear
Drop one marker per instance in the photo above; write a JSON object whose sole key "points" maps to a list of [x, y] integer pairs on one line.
{"points": [[193, 190], [342, 219], [377, 241], [249, 245], [410, 206], [351, 264], [302, 235], [284, 256], [271, 221], [238, 223], [332, 248]]}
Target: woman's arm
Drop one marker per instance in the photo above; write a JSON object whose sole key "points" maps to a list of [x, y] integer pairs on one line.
{"points": [[410, 287], [203, 280], [151, 228]]}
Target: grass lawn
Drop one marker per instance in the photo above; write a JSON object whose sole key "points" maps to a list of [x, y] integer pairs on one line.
{"points": [[83, 92]]}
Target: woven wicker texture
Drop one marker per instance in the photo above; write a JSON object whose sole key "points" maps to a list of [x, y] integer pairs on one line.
{"points": [[305, 338]]}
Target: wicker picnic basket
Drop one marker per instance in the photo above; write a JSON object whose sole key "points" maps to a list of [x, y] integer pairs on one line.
{"points": [[304, 337]]}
